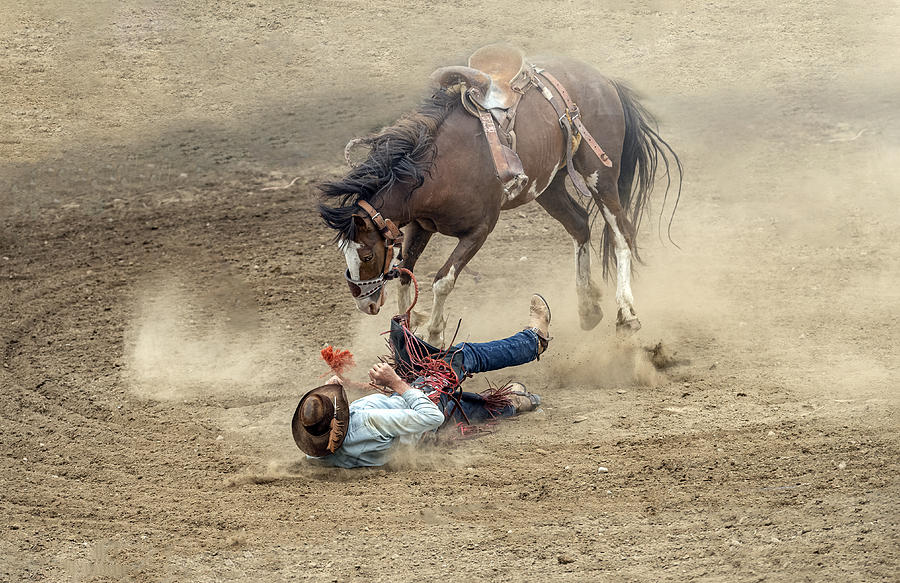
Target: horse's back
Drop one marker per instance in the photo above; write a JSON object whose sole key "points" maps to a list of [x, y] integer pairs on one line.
{"points": [[594, 93], [541, 141]]}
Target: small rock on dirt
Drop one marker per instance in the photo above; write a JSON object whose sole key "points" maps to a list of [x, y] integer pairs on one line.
{"points": [[602, 470], [565, 559], [579, 419]]}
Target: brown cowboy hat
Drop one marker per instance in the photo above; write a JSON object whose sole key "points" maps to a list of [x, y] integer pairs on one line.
{"points": [[321, 420]]}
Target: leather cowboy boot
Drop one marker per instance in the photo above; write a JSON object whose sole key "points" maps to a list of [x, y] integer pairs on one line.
{"points": [[521, 399], [539, 321]]}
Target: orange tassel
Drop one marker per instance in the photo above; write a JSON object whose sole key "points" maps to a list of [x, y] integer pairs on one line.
{"points": [[338, 360]]}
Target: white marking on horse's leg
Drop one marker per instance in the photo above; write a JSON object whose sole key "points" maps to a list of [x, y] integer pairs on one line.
{"points": [[351, 254], [624, 298], [441, 289]]}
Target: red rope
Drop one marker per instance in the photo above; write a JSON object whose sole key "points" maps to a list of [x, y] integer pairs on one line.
{"points": [[440, 376], [415, 286]]}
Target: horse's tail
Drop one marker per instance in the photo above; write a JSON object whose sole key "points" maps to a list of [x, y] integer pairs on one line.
{"points": [[642, 150]]}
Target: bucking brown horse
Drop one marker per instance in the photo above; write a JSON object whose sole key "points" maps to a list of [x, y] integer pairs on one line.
{"points": [[436, 170]]}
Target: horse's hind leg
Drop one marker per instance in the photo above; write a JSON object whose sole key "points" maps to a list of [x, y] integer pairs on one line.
{"points": [[621, 231], [559, 205]]}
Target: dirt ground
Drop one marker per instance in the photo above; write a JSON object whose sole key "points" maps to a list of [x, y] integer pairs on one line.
{"points": [[162, 306]]}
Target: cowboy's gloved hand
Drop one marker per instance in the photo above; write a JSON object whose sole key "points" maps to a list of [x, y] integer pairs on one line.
{"points": [[384, 374]]}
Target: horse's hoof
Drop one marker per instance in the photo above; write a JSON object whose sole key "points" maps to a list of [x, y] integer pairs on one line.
{"points": [[627, 328], [590, 318]]}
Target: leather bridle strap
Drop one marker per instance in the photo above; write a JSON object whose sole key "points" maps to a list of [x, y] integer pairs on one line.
{"points": [[392, 235]]}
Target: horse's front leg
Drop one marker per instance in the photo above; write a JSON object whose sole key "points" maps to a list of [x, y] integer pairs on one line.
{"points": [[415, 239], [446, 279]]}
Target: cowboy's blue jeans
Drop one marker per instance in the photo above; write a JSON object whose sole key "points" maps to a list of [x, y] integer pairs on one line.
{"points": [[486, 356], [480, 357]]}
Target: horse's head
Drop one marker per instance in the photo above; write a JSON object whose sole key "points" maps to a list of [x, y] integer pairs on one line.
{"points": [[366, 255], [369, 256]]}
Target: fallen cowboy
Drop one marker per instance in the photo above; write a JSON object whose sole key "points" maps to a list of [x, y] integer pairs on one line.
{"points": [[417, 394]]}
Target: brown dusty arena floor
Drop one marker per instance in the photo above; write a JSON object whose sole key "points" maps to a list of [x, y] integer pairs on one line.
{"points": [[162, 311]]}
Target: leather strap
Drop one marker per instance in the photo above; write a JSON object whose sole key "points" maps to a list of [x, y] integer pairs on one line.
{"points": [[564, 121], [507, 165], [393, 236], [388, 229], [575, 118]]}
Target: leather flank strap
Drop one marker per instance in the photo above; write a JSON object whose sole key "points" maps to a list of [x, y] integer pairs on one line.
{"points": [[574, 117]]}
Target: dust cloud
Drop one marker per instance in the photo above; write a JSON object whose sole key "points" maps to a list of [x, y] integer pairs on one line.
{"points": [[189, 342]]}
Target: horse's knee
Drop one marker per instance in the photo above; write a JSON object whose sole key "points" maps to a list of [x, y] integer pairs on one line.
{"points": [[442, 286]]}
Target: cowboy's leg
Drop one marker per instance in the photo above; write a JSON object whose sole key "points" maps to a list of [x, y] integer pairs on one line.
{"points": [[473, 408], [486, 356]]}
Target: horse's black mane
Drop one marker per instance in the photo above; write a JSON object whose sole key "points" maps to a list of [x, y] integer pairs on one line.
{"points": [[400, 154]]}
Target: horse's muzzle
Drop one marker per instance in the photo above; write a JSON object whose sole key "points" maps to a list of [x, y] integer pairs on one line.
{"points": [[364, 288], [371, 305]]}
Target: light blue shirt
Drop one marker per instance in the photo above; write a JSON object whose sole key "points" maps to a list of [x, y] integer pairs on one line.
{"points": [[378, 422]]}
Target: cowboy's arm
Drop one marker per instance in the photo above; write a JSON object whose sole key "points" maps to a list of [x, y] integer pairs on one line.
{"points": [[421, 415], [384, 379]]}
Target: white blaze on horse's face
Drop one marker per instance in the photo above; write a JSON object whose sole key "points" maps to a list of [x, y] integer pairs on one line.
{"points": [[370, 304], [351, 253]]}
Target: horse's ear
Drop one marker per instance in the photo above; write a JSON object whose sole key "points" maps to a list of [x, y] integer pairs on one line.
{"points": [[360, 223]]}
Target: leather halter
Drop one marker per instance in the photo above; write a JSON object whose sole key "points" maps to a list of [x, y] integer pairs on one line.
{"points": [[392, 237]]}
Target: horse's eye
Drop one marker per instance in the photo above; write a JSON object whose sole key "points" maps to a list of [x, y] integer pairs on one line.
{"points": [[367, 258]]}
